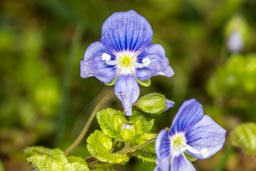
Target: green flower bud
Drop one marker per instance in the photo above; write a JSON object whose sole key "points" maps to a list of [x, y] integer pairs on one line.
{"points": [[127, 132], [154, 103]]}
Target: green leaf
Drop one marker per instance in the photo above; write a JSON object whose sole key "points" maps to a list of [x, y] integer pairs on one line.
{"points": [[147, 152], [128, 132], [100, 147], [76, 164], [111, 122], [144, 138], [104, 169], [244, 137], [145, 155], [237, 74], [141, 123], [114, 124], [45, 159]]}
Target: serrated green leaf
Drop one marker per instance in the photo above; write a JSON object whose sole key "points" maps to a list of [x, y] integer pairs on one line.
{"points": [[144, 138], [104, 169], [128, 133], [100, 146], [147, 152], [76, 164], [244, 137], [111, 122], [141, 123], [145, 155], [45, 159]]}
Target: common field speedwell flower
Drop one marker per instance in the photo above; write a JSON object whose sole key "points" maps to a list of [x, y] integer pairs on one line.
{"points": [[125, 56], [191, 133]]}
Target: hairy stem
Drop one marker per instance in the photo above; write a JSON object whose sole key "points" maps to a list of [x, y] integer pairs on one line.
{"points": [[134, 148], [78, 140]]}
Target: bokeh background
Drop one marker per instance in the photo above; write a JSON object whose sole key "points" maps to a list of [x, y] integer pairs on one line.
{"points": [[211, 46]]}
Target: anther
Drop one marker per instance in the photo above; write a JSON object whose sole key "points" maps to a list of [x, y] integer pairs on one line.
{"points": [[105, 57], [146, 61]]}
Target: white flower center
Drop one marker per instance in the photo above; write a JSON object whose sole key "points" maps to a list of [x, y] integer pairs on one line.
{"points": [[178, 144], [126, 61]]}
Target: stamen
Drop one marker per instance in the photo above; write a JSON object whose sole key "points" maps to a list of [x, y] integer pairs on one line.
{"points": [[192, 150], [146, 61], [105, 57], [204, 152]]}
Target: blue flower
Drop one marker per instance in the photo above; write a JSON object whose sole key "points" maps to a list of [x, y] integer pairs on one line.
{"points": [[191, 133], [125, 56]]}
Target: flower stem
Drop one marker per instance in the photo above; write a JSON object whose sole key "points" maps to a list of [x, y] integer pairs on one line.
{"points": [[78, 140]]}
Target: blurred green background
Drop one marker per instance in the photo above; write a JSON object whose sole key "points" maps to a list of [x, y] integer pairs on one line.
{"points": [[211, 46]]}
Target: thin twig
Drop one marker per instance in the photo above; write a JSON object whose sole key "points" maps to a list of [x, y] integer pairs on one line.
{"points": [[78, 140], [134, 148]]}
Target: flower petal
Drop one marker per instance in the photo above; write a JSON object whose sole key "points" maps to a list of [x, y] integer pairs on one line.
{"points": [[162, 145], [126, 31], [127, 90], [157, 168], [188, 115], [206, 137], [159, 64], [180, 163], [169, 104], [93, 65], [163, 151]]}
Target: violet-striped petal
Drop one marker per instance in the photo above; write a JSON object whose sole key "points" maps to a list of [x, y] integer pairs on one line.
{"points": [[206, 137], [163, 145], [180, 163], [157, 63], [127, 91], [126, 31], [188, 115], [163, 151], [93, 65]]}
